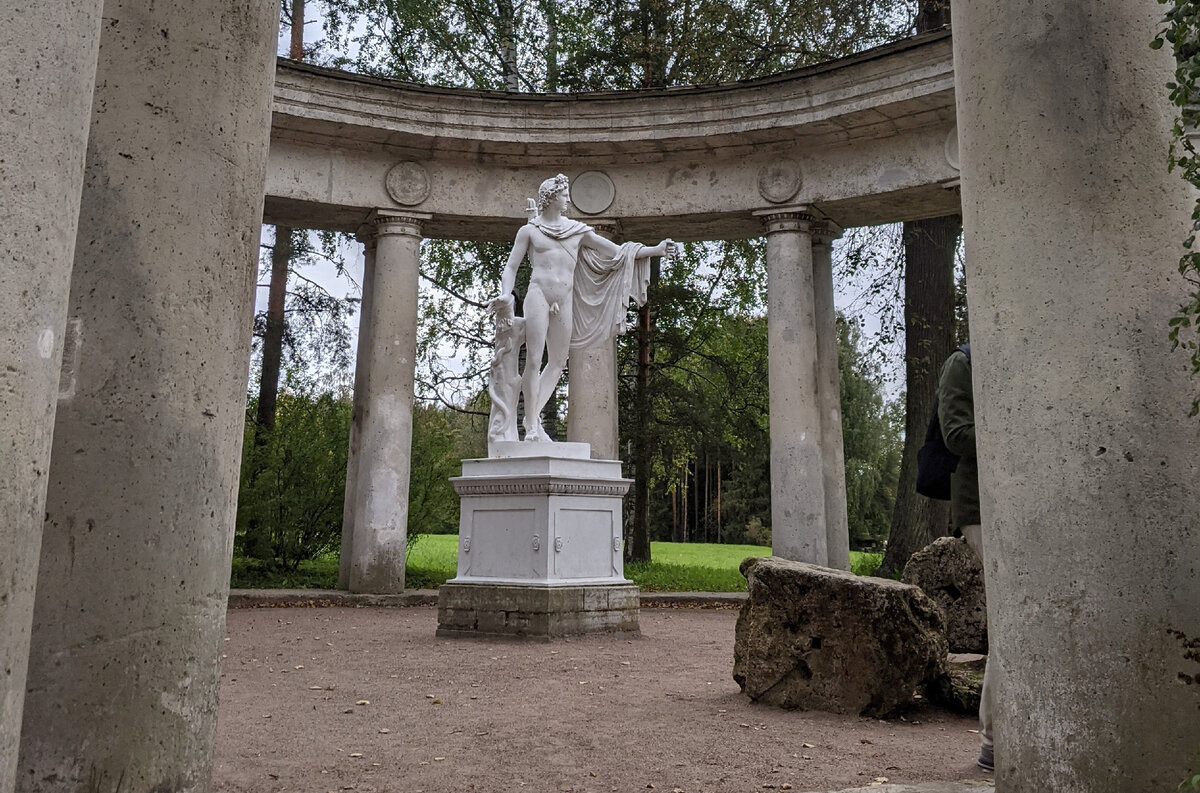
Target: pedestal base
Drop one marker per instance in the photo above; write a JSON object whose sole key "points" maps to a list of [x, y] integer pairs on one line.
{"points": [[539, 551], [535, 611]]}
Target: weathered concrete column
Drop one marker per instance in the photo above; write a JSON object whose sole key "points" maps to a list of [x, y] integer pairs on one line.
{"points": [[1088, 461], [384, 405], [592, 386], [130, 607], [47, 73], [366, 236], [797, 464], [837, 534]]}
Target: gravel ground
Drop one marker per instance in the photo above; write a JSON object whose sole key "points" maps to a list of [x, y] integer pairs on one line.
{"points": [[370, 700]]}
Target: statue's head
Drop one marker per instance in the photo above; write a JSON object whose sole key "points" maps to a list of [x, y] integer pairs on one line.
{"points": [[549, 189]]}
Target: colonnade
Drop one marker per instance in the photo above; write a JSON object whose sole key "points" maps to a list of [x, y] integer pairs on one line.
{"points": [[131, 182], [808, 486]]}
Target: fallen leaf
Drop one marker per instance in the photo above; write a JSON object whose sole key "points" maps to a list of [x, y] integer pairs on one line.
{"points": [[437, 702]]}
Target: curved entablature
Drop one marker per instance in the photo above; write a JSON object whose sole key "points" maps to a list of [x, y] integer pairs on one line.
{"points": [[865, 139]]}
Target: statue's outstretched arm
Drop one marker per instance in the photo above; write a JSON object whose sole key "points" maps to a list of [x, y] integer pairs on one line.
{"points": [[611, 249]]}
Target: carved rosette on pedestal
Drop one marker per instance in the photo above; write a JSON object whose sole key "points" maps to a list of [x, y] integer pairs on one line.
{"points": [[540, 547]]}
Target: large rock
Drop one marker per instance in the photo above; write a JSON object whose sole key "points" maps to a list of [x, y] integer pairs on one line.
{"points": [[950, 572], [822, 639]]}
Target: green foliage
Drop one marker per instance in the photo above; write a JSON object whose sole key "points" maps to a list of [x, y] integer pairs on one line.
{"points": [[432, 502], [293, 480], [658, 576], [317, 334], [293, 483], [319, 573], [598, 44], [433, 559], [1181, 29], [872, 442], [865, 563]]}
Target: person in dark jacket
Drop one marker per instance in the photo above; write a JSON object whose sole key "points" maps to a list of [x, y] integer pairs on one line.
{"points": [[956, 414]]}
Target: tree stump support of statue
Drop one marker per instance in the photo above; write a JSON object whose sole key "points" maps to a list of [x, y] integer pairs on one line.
{"points": [[540, 529]]}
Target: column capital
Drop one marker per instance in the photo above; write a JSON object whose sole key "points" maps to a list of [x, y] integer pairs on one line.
{"points": [[792, 218], [385, 223], [824, 232]]}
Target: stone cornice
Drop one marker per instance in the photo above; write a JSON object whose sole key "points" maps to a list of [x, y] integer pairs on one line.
{"points": [[889, 85], [824, 232]]}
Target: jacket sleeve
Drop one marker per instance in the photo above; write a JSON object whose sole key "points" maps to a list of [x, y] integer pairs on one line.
{"points": [[956, 405]]}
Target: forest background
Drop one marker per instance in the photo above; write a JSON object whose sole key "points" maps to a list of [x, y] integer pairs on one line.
{"points": [[693, 406]]}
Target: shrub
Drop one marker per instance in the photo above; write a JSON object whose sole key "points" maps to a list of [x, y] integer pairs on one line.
{"points": [[293, 479]]}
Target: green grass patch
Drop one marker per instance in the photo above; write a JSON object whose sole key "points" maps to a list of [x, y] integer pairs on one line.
{"points": [[675, 567], [432, 560], [865, 563]]}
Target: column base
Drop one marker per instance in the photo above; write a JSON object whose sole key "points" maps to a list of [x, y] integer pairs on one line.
{"points": [[536, 611]]}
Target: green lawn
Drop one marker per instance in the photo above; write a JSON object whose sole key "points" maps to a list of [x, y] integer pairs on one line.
{"points": [[676, 567]]}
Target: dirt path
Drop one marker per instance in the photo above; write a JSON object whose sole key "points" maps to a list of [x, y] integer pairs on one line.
{"points": [[601, 713]]}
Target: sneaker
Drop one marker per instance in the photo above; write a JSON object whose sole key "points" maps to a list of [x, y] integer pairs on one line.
{"points": [[986, 761]]}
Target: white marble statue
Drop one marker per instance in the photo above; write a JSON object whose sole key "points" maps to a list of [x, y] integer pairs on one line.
{"points": [[579, 288]]}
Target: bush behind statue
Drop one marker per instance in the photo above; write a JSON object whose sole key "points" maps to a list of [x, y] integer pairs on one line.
{"points": [[293, 479]]}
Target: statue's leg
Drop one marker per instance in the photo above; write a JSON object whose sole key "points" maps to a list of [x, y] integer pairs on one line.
{"points": [[537, 320], [558, 346]]}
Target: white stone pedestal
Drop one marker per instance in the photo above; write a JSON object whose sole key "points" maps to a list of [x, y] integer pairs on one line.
{"points": [[539, 549]]}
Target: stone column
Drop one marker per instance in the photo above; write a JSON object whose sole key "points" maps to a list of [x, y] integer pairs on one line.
{"points": [[384, 406], [48, 68], [1088, 461], [829, 396], [797, 462], [592, 397], [130, 608], [366, 309]]}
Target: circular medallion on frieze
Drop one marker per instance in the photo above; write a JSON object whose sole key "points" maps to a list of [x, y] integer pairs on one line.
{"points": [[952, 148], [592, 192], [408, 183], [779, 180]]}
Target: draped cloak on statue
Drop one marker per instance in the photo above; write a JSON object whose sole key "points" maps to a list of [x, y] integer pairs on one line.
{"points": [[603, 287]]}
